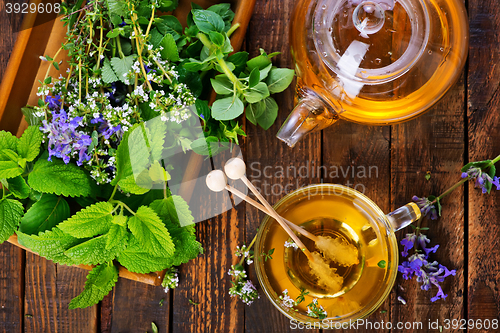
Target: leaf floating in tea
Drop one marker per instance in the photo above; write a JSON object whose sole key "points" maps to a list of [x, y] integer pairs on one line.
{"points": [[336, 250], [327, 276]]}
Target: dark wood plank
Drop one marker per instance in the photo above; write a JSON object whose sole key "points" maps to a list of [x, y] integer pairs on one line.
{"points": [[435, 143], [201, 302], [11, 257], [136, 306], [484, 142], [269, 30], [11, 288], [49, 289]]}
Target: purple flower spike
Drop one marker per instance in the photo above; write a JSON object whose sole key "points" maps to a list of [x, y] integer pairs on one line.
{"points": [[54, 102], [427, 273], [426, 207], [496, 182], [482, 179], [408, 244]]}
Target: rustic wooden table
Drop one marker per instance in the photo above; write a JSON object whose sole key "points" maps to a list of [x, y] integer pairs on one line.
{"points": [[464, 126]]}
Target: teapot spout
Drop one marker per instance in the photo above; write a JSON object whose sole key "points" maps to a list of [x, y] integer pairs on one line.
{"points": [[311, 114]]}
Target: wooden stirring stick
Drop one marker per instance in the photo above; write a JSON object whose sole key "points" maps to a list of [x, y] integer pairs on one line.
{"points": [[260, 207], [235, 168], [217, 181]]}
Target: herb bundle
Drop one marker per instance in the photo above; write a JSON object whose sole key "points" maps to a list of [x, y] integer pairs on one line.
{"points": [[87, 182]]}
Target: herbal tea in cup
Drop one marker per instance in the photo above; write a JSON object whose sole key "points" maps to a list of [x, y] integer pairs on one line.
{"points": [[355, 254]]}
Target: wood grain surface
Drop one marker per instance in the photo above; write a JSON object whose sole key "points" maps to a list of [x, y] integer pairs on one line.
{"points": [[463, 126]]}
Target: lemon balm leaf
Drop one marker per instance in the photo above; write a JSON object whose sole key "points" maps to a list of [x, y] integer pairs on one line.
{"points": [[45, 214], [11, 212], [50, 244], [100, 281], [90, 221], [150, 231], [61, 179], [29, 143]]}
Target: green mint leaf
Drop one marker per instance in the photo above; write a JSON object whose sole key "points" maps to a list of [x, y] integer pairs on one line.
{"points": [[30, 115], [108, 75], [174, 212], [50, 244], [100, 281], [382, 264], [117, 231], [116, 7], [224, 10], [479, 164], [254, 111], [95, 251], [29, 143], [168, 5], [9, 169], [217, 38], [139, 149], [239, 60], [258, 93], [269, 116], [122, 67], [11, 212], [208, 21], [56, 65], [147, 227], [45, 214], [113, 33], [279, 79], [130, 185], [123, 165], [169, 24], [208, 146], [155, 131], [7, 141], [222, 85], [18, 187], [265, 72], [170, 51], [9, 155], [203, 109], [136, 259], [61, 179], [157, 173], [259, 62], [177, 209], [155, 37], [91, 221], [254, 77], [227, 108]]}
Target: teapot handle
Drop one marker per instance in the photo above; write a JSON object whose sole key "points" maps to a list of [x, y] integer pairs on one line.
{"points": [[404, 216]]}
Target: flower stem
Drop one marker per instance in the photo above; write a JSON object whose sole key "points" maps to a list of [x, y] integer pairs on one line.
{"points": [[451, 189], [119, 44], [249, 247], [113, 193], [232, 29], [496, 159]]}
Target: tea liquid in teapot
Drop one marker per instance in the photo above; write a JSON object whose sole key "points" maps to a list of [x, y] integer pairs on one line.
{"points": [[372, 62]]}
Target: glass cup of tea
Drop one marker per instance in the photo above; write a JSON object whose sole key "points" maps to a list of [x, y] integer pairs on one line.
{"points": [[356, 226]]}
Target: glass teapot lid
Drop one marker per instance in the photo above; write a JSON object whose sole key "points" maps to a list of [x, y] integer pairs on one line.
{"points": [[356, 38]]}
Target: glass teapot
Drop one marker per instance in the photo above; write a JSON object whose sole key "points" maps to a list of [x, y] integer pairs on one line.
{"points": [[372, 62]]}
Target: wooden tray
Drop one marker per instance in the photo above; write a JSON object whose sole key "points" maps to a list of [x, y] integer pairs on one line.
{"points": [[20, 84]]}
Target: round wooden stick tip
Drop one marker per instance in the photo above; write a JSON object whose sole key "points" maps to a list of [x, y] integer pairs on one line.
{"points": [[216, 180], [235, 168]]}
